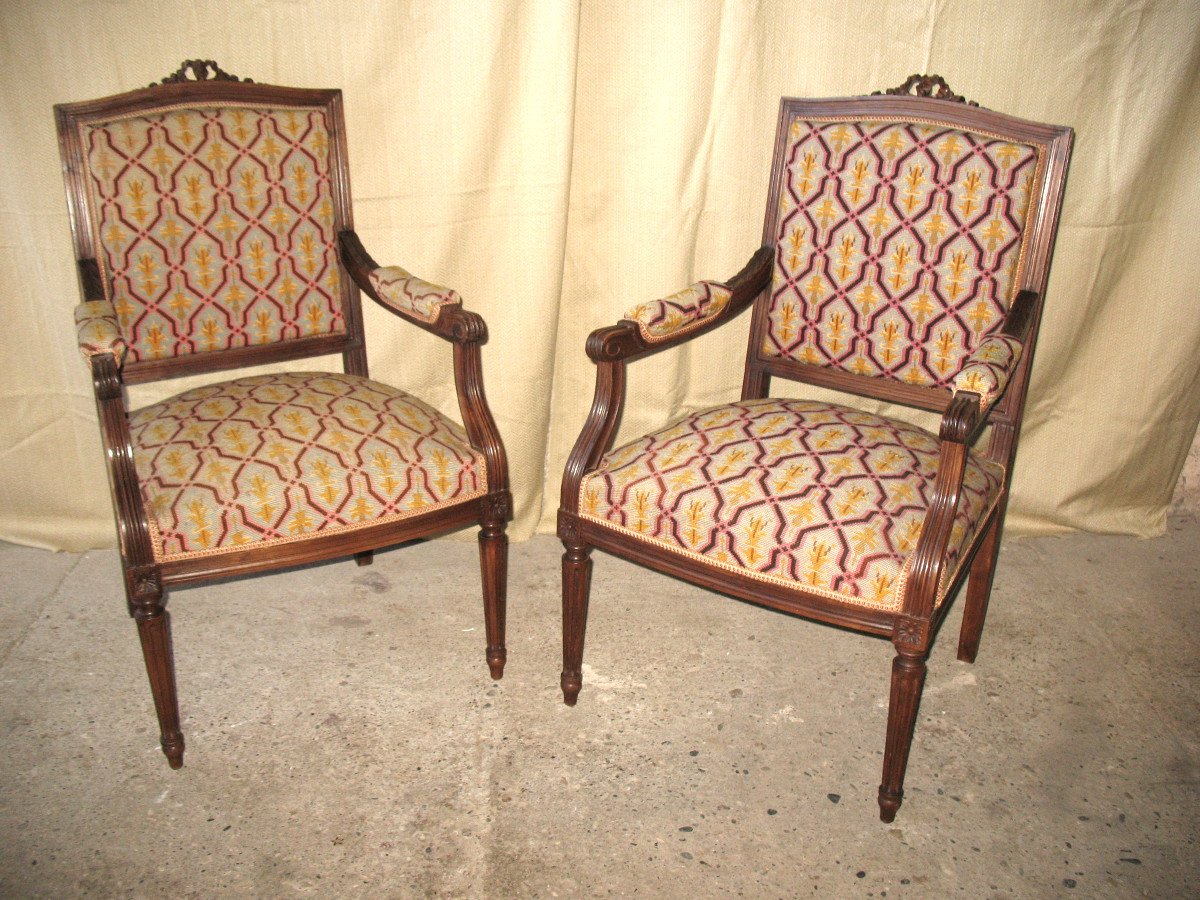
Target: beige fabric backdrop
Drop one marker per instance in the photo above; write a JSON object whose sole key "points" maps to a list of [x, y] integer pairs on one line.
{"points": [[558, 162]]}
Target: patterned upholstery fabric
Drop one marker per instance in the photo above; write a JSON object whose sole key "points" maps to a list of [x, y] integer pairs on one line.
{"points": [[215, 227], [97, 330], [681, 312], [410, 294], [275, 458], [898, 246], [987, 370], [800, 493]]}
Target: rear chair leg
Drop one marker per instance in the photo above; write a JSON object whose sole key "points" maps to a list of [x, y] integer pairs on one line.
{"points": [[365, 558], [154, 629], [979, 590], [493, 561], [577, 582]]}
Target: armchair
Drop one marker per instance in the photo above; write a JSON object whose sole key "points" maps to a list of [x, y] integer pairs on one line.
{"points": [[212, 228], [905, 254]]}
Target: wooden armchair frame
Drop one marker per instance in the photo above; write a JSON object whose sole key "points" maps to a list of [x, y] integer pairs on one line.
{"points": [[202, 83], [911, 629]]}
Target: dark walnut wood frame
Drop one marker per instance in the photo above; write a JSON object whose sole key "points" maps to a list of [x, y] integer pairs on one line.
{"points": [[912, 628], [146, 578]]}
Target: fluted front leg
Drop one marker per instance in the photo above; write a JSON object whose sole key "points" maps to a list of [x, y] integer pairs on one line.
{"points": [[493, 560], [154, 629], [908, 678], [577, 582]]}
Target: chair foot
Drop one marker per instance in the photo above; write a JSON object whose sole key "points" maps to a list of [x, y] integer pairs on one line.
{"points": [[496, 658], [173, 751], [572, 683], [365, 558], [889, 803]]}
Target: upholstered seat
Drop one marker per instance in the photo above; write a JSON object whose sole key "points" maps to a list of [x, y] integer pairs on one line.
{"points": [[277, 458], [795, 492]]}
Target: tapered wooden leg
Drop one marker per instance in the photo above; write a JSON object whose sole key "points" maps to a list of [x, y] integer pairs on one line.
{"points": [[365, 558], [908, 677], [493, 561], [979, 590], [577, 582], [144, 592]]}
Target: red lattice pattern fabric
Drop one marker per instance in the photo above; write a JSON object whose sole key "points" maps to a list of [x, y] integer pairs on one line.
{"points": [[97, 330], [215, 227], [898, 245], [275, 458], [987, 370], [681, 312], [805, 494], [405, 291]]}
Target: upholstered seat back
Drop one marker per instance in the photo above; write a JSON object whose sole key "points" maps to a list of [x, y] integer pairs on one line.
{"points": [[899, 244], [214, 226]]}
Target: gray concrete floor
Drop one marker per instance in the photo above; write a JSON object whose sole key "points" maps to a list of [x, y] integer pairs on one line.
{"points": [[344, 738]]}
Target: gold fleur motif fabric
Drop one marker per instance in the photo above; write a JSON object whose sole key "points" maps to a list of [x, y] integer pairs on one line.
{"points": [[680, 312], [987, 370], [806, 494], [898, 246], [276, 458], [97, 329], [215, 227], [405, 291]]}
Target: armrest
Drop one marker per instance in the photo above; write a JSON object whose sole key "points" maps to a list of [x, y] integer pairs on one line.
{"points": [[672, 316], [436, 309], [986, 371], [683, 316], [98, 331]]}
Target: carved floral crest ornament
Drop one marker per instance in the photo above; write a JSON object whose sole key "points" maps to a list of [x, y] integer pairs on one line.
{"points": [[200, 70], [934, 86]]}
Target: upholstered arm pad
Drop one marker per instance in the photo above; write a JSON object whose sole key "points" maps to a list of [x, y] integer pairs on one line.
{"points": [[987, 370], [97, 329], [404, 291], [690, 308]]}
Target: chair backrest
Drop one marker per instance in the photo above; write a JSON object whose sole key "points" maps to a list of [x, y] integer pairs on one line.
{"points": [[212, 209], [903, 228]]}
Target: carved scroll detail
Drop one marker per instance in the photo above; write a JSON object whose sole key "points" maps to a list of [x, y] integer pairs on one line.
{"points": [[927, 86], [199, 70]]}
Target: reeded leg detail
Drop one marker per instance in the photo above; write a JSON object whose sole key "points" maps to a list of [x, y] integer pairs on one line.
{"points": [[154, 629], [908, 678], [979, 590], [365, 558], [493, 561], [577, 582]]}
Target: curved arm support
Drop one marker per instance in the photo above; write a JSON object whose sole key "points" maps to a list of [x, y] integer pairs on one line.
{"points": [[624, 341], [477, 416], [593, 442], [453, 323], [961, 425], [133, 529], [1021, 315]]}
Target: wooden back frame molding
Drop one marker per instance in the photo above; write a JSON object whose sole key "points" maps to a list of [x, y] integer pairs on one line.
{"points": [[202, 83], [911, 629]]}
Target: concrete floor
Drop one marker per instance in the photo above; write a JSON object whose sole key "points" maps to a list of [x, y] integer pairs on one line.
{"points": [[344, 739]]}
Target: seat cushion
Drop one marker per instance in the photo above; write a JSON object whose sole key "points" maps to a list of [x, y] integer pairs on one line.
{"points": [[285, 457], [801, 493]]}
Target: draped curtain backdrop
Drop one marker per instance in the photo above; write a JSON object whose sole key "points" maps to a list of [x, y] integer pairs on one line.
{"points": [[559, 162]]}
